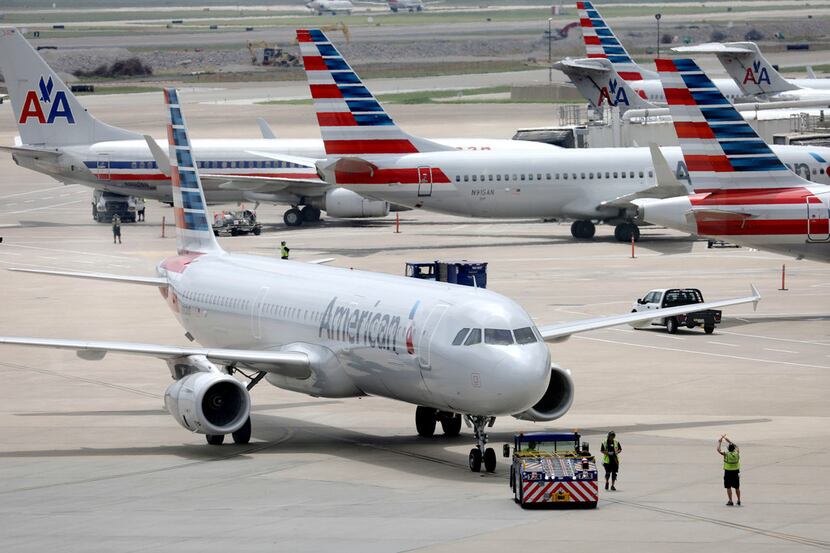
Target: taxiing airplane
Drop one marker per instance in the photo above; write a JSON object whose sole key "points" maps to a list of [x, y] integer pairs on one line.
{"points": [[454, 351], [756, 76], [600, 42], [332, 7], [743, 192], [369, 154], [60, 138]]}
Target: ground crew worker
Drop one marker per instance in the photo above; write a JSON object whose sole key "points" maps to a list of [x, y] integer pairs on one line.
{"points": [[284, 250], [116, 229], [611, 449], [141, 212], [731, 469]]}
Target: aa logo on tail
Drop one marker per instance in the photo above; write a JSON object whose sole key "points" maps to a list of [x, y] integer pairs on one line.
{"points": [[613, 94], [46, 107], [756, 74]]}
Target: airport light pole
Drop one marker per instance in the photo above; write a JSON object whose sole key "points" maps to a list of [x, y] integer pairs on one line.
{"points": [[550, 59], [657, 16]]}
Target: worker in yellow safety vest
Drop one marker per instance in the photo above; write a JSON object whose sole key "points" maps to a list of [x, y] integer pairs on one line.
{"points": [[731, 468], [284, 250], [611, 449]]}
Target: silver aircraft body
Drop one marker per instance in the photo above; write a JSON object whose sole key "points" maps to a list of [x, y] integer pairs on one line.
{"points": [[451, 350], [59, 138], [368, 154]]}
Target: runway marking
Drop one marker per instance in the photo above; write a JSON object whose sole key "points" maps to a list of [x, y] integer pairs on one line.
{"points": [[118, 257], [63, 186], [722, 344], [813, 342], [724, 355], [780, 350], [41, 208]]}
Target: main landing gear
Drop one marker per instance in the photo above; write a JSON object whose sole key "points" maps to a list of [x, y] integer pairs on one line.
{"points": [[295, 216], [625, 232], [583, 229], [479, 454], [426, 419], [243, 435]]}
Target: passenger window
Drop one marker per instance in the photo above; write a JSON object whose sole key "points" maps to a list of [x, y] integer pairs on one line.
{"points": [[582, 176], [524, 335], [631, 174], [459, 338], [523, 176], [474, 337], [547, 176], [466, 178], [498, 336], [490, 178], [615, 174], [607, 175], [538, 176], [515, 177], [590, 175], [650, 174], [498, 177], [458, 178], [530, 176], [573, 175], [641, 174], [564, 176], [475, 178]]}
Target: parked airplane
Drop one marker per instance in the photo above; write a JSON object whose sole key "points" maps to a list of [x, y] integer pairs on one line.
{"points": [[744, 193], [600, 42], [451, 350], [369, 154], [332, 7], [756, 76], [60, 138]]}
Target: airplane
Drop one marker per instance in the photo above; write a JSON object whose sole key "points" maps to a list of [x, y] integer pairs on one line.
{"points": [[600, 84], [756, 76], [332, 7], [743, 192], [60, 138], [369, 154], [601, 43], [453, 351]]}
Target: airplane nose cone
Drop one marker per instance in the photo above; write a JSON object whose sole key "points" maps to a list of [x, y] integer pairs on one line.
{"points": [[521, 377]]}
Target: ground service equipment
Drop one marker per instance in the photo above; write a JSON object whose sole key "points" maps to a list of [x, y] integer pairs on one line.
{"points": [[552, 469], [675, 297], [234, 223], [456, 272]]}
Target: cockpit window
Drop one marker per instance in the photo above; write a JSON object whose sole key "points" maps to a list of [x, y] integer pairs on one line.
{"points": [[474, 337], [498, 336], [459, 338], [524, 335]]}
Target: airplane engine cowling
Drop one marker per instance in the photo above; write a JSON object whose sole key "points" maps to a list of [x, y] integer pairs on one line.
{"points": [[558, 398], [208, 403], [340, 202]]}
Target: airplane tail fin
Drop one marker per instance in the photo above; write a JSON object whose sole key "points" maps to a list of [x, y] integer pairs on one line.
{"points": [[744, 62], [46, 111], [600, 42], [598, 81], [352, 121], [721, 150], [194, 233]]}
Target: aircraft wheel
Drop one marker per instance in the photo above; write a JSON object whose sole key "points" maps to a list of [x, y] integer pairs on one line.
{"points": [[425, 421], [583, 229], [451, 425], [490, 459], [475, 460], [215, 439], [293, 217], [310, 214], [243, 435]]}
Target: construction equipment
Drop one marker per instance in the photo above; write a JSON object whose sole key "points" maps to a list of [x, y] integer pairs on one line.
{"points": [[263, 53]]}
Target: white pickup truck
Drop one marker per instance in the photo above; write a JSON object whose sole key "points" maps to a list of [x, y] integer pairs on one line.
{"points": [[674, 297]]}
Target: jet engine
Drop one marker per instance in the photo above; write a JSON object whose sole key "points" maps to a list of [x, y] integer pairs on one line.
{"points": [[558, 397], [208, 403], [340, 202]]}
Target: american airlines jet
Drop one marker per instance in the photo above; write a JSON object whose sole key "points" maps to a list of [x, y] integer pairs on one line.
{"points": [[60, 138], [744, 193], [454, 351], [369, 154], [600, 42], [756, 76]]}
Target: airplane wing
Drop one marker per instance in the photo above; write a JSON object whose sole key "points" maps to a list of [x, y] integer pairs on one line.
{"points": [[292, 364], [263, 184], [562, 331], [149, 281]]}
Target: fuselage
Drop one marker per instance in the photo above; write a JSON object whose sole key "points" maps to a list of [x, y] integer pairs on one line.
{"points": [[366, 333], [567, 183], [127, 166], [790, 221]]}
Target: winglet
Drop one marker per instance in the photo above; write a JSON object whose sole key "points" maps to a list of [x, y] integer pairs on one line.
{"points": [[159, 155], [265, 129], [757, 295]]}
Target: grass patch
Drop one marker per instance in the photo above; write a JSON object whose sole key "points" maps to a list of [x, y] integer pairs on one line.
{"points": [[119, 90], [822, 68]]}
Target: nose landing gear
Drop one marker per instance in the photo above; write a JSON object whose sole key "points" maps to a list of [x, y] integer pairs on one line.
{"points": [[481, 453]]}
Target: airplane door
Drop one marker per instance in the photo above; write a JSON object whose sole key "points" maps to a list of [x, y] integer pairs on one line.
{"points": [[818, 220], [426, 335], [103, 167], [424, 181], [256, 313]]}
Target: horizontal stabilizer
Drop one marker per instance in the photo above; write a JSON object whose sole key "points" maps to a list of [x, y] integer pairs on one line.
{"points": [[713, 48], [250, 183], [34, 153], [148, 281]]}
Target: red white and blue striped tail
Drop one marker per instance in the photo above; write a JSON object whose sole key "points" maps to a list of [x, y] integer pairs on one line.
{"points": [[194, 233], [600, 42], [352, 121], [721, 150]]}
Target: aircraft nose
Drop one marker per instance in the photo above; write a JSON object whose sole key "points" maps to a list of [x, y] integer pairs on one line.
{"points": [[522, 376]]}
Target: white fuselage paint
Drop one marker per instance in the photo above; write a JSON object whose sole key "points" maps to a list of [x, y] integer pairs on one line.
{"points": [[652, 90], [366, 333], [574, 183]]}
